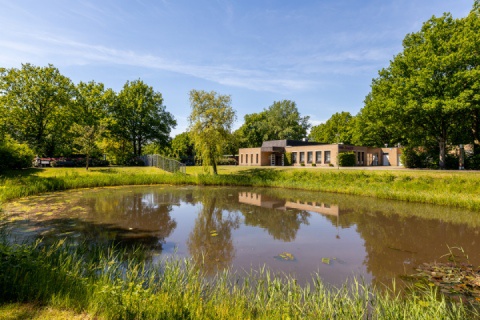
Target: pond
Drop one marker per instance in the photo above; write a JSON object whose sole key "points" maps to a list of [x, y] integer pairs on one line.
{"points": [[291, 232]]}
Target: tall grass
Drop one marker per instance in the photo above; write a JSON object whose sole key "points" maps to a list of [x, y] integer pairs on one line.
{"points": [[66, 276], [433, 187]]}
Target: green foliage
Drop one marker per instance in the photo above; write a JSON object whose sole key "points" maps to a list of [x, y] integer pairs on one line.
{"points": [[346, 159], [36, 102], [287, 158], [338, 129], [97, 281], [14, 155], [182, 147], [430, 90], [139, 116], [210, 121], [280, 121]]}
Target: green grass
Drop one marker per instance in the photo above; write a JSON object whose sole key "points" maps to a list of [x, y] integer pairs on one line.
{"points": [[95, 284], [38, 281], [457, 189]]}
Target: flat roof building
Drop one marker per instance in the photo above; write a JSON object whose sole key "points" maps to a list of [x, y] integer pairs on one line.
{"points": [[281, 152]]}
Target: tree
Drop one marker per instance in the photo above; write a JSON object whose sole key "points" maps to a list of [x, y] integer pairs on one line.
{"points": [[182, 147], [253, 131], [281, 120], [338, 129], [91, 104], [430, 89], [210, 121], [139, 116], [86, 137], [36, 101]]}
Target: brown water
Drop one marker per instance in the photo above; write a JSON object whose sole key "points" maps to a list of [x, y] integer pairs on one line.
{"points": [[336, 236]]}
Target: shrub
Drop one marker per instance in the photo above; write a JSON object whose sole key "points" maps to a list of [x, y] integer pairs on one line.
{"points": [[227, 162], [14, 155], [346, 159], [314, 164], [302, 164], [287, 158], [135, 161]]}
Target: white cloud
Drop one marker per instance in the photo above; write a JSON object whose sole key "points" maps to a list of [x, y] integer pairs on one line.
{"points": [[63, 51]]}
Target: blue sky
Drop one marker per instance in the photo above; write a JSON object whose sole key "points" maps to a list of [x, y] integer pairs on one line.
{"points": [[320, 54]]}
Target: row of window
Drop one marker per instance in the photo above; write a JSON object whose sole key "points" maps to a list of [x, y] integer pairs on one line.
{"points": [[318, 157], [251, 158]]}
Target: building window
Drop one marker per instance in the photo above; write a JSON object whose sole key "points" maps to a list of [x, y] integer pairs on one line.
{"points": [[251, 158], [246, 158], [309, 156], [256, 157], [302, 157], [294, 157], [318, 157], [241, 158], [327, 156]]}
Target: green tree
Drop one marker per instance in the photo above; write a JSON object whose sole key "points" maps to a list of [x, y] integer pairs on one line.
{"points": [[86, 138], [281, 120], [253, 131], [36, 100], [430, 90], [89, 113], [182, 147], [284, 121], [139, 116], [210, 121], [338, 129]]}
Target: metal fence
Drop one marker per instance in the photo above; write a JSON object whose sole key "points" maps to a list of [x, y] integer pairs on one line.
{"points": [[170, 165]]}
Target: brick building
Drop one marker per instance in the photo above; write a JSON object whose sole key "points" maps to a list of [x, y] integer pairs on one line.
{"points": [[273, 153]]}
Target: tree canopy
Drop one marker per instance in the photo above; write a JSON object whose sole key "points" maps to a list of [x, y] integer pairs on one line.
{"points": [[36, 100], [139, 116], [430, 90], [280, 121], [211, 122], [338, 129]]}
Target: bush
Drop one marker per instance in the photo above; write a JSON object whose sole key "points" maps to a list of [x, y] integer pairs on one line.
{"points": [[346, 159], [14, 155], [287, 158], [135, 161], [314, 164], [227, 162], [416, 158]]}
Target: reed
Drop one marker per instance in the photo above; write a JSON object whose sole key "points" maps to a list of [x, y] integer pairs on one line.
{"points": [[457, 189], [95, 284]]}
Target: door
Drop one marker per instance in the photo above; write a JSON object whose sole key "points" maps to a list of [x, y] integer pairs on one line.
{"points": [[386, 159]]}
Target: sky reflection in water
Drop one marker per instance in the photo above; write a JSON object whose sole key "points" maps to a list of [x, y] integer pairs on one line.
{"points": [[336, 236]]}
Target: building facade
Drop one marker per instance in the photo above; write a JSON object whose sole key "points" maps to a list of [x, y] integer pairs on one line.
{"points": [[275, 153]]}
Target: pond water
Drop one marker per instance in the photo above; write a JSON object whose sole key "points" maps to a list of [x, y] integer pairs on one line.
{"points": [[293, 232]]}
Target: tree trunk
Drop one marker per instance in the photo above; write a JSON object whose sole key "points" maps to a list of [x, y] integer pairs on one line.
{"points": [[88, 160], [214, 165], [441, 145]]}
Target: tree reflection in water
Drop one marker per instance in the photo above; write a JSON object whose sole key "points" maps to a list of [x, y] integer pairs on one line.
{"points": [[210, 242]]}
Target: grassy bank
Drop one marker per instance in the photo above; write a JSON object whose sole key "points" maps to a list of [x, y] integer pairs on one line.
{"points": [[61, 281], [458, 189], [96, 284]]}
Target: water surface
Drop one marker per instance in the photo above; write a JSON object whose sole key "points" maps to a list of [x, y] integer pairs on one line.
{"points": [[293, 232]]}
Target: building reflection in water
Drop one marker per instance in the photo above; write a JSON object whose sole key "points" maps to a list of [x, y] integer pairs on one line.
{"points": [[269, 202]]}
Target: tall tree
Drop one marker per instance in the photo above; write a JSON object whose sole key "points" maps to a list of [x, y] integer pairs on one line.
{"points": [[338, 129], [36, 100], [281, 120], [140, 117], [284, 121], [210, 121], [431, 88]]}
